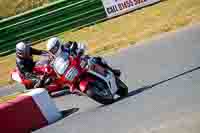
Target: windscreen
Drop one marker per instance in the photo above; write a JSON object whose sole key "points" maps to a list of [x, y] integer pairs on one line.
{"points": [[61, 63]]}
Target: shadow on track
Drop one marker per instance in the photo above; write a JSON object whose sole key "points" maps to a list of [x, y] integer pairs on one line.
{"points": [[65, 113], [60, 93], [142, 89]]}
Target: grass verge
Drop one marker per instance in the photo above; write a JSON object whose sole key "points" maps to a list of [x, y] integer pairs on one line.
{"points": [[9, 97], [125, 30], [10, 7]]}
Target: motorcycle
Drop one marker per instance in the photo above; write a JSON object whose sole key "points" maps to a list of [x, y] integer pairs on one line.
{"points": [[41, 68], [81, 75]]}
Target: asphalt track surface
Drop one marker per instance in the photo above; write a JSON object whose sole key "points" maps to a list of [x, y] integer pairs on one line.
{"points": [[163, 76]]}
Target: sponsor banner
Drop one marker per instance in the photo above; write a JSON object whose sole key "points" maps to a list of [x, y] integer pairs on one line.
{"points": [[118, 7]]}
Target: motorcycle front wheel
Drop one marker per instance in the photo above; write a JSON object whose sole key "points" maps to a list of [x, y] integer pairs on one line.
{"points": [[100, 93], [123, 89]]}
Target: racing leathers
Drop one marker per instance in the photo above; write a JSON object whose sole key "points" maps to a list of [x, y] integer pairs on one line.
{"points": [[75, 48], [25, 66]]}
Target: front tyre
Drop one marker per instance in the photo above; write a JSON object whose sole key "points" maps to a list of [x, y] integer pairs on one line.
{"points": [[99, 93], [123, 89]]}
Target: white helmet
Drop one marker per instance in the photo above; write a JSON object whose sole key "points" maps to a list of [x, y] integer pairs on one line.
{"points": [[54, 46], [22, 50]]}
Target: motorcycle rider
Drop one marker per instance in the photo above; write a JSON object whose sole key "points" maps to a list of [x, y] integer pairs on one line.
{"points": [[25, 64], [55, 47]]}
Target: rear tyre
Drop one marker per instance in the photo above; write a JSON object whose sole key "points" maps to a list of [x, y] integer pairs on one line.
{"points": [[93, 92]]}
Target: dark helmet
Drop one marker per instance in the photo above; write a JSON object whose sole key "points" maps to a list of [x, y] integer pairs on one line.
{"points": [[22, 50]]}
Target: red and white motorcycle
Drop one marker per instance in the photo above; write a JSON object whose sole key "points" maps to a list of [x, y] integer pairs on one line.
{"points": [[80, 74]]}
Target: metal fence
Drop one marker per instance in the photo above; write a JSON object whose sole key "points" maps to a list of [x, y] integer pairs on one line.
{"points": [[47, 21]]}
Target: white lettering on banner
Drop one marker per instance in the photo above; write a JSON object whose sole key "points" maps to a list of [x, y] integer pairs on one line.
{"points": [[117, 7]]}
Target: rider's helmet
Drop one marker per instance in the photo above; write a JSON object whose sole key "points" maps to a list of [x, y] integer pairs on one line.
{"points": [[54, 46], [23, 50]]}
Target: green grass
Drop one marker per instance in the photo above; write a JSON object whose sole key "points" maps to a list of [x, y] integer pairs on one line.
{"points": [[13, 7], [120, 32]]}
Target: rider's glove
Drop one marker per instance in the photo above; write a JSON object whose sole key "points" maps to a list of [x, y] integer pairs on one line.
{"points": [[81, 47]]}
